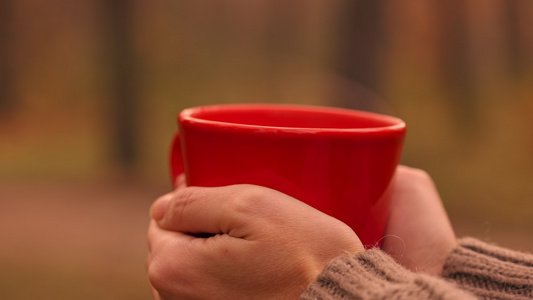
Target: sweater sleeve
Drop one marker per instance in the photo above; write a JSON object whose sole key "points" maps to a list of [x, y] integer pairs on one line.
{"points": [[373, 274], [490, 272]]}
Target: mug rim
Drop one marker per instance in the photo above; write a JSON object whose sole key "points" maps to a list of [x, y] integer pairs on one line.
{"points": [[192, 116]]}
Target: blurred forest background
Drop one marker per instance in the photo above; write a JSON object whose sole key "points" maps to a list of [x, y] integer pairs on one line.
{"points": [[90, 90]]}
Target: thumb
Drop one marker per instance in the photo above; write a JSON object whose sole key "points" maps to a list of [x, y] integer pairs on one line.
{"points": [[198, 210], [159, 207]]}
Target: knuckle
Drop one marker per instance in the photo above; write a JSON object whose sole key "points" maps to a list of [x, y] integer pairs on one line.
{"points": [[157, 273], [419, 175], [174, 278], [186, 195], [247, 201], [164, 277], [183, 199]]}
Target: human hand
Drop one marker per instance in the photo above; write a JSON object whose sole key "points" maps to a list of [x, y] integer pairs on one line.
{"points": [[419, 235], [239, 242]]}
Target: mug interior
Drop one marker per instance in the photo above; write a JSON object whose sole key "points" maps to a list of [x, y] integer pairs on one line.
{"points": [[287, 116]]}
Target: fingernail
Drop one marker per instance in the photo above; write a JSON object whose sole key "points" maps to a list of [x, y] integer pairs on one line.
{"points": [[159, 207]]}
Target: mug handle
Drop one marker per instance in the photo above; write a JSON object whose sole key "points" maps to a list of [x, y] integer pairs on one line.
{"points": [[176, 159]]}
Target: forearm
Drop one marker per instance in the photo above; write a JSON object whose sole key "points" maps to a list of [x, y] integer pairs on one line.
{"points": [[373, 274], [490, 272]]}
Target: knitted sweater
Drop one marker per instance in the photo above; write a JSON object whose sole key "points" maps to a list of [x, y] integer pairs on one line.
{"points": [[473, 269]]}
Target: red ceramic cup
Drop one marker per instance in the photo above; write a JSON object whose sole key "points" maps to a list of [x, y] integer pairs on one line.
{"points": [[337, 160]]}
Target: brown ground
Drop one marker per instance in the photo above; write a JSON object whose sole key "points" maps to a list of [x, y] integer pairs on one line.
{"points": [[73, 241], [87, 241]]}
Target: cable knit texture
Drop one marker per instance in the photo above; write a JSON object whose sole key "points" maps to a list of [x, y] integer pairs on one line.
{"points": [[473, 270], [490, 272], [373, 274]]}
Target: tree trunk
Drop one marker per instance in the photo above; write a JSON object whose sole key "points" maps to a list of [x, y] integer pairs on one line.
{"points": [[458, 73], [124, 81], [7, 100]]}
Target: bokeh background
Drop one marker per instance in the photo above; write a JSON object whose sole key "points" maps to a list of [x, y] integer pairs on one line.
{"points": [[89, 93]]}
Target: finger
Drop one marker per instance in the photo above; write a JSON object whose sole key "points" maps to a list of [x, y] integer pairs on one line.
{"points": [[221, 210], [155, 294], [157, 211], [171, 255], [151, 236], [181, 181], [165, 245], [159, 207], [422, 196], [159, 238]]}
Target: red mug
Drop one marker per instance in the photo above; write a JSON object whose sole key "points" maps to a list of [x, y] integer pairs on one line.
{"points": [[338, 161]]}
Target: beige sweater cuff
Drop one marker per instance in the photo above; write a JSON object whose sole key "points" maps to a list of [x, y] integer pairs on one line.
{"points": [[490, 272], [373, 274]]}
